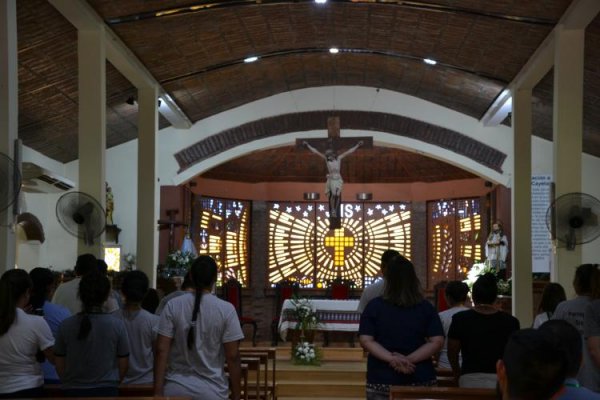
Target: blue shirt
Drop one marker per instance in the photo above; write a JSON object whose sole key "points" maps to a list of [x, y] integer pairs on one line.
{"points": [[401, 330], [572, 391], [54, 315]]}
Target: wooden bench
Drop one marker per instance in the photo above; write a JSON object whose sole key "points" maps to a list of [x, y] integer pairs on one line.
{"points": [[440, 393], [132, 398], [268, 358], [445, 377]]}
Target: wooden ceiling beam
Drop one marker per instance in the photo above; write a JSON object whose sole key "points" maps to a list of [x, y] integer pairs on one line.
{"points": [[578, 16], [83, 17]]}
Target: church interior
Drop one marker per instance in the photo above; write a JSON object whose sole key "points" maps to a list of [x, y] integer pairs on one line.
{"points": [[183, 125]]}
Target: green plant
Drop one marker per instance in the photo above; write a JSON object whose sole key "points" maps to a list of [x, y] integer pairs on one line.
{"points": [[304, 314], [481, 268]]}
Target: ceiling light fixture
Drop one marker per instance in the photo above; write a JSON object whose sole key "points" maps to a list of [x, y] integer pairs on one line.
{"points": [[250, 59], [334, 50], [429, 61], [320, 1]]}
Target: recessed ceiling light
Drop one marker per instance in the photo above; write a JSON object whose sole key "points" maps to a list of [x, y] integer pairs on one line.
{"points": [[250, 59], [320, 1], [334, 50], [429, 61]]}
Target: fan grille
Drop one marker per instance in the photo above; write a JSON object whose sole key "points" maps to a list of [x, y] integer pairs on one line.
{"points": [[573, 219], [81, 215]]}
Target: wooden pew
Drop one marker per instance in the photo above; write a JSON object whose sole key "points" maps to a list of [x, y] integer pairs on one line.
{"points": [[131, 398], [254, 388], [244, 383], [445, 377], [440, 393], [268, 357]]}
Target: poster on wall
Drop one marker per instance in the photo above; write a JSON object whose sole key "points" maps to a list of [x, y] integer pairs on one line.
{"points": [[541, 243]]}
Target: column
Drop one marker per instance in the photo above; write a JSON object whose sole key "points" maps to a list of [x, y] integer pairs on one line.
{"points": [[522, 296], [567, 137], [92, 122], [8, 118], [148, 187]]}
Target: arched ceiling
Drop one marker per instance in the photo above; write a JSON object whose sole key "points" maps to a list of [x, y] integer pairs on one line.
{"points": [[196, 54]]}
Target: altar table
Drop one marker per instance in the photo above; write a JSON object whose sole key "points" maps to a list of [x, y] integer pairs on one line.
{"points": [[334, 315]]}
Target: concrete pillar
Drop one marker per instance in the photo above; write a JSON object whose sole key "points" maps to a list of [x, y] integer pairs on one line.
{"points": [[567, 137], [92, 122], [148, 186], [522, 296], [8, 118]]}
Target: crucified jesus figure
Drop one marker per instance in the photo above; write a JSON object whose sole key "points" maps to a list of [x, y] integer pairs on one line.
{"points": [[333, 187]]}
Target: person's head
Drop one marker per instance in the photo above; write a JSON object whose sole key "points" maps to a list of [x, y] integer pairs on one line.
{"points": [[94, 289], [151, 301], [386, 257], [595, 283], [553, 294], [531, 368], [582, 283], [134, 287], [456, 293], [567, 339], [204, 276], [85, 263], [43, 286], [402, 287], [187, 282], [485, 289], [102, 266], [15, 287]]}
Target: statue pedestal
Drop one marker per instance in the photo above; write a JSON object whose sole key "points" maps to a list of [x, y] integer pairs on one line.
{"points": [[112, 234]]}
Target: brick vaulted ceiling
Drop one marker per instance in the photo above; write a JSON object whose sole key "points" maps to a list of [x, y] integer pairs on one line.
{"points": [[194, 48]]}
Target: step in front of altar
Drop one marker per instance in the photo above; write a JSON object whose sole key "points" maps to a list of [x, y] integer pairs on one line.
{"points": [[354, 354], [332, 379]]}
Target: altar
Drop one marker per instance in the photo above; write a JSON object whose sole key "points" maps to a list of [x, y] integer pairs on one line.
{"points": [[333, 315]]}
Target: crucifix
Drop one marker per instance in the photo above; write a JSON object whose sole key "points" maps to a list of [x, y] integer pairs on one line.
{"points": [[171, 223], [328, 150]]}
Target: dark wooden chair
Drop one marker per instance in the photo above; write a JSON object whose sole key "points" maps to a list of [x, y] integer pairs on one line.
{"points": [[232, 292], [284, 290], [439, 296], [440, 393]]}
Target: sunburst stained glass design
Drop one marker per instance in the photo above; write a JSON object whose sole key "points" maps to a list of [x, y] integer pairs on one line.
{"points": [[302, 248], [221, 230], [454, 239]]}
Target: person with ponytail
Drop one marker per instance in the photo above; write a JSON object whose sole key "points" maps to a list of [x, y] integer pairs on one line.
{"points": [[197, 333], [92, 347], [22, 337], [44, 285]]}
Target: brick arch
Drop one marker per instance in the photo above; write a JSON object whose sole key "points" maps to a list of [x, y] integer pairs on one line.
{"points": [[355, 120]]}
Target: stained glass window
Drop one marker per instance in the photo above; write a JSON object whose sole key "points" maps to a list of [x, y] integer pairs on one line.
{"points": [[221, 230], [455, 240], [302, 248]]}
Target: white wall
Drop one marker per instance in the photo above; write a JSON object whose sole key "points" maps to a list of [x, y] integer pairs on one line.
{"points": [[60, 248]]}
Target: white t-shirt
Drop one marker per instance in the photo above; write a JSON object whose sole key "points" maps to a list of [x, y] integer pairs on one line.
{"points": [[540, 319], [446, 317], [141, 329], [19, 369], [199, 371], [67, 295], [370, 292]]}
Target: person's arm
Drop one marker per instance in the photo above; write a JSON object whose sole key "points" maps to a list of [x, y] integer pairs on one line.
{"points": [[163, 346], [317, 152], [431, 347], [396, 360], [350, 150], [593, 345], [123, 366], [59, 364], [453, 351], [232, 355], [49, 354]]}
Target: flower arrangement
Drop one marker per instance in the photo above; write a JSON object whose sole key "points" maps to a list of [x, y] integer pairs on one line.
{"points": [[478, 269], [306, 354], [178, 263], [305, 315], [129, 259]]}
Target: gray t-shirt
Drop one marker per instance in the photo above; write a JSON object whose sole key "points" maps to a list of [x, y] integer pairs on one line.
{"points": [[369, 293], [141, 329], [199, 370], [574, 312], [166, 299], [92, 362]]}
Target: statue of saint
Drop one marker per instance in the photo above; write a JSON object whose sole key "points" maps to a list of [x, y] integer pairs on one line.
{"points": [[110, 205], [333, 187], [496, 248]]}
